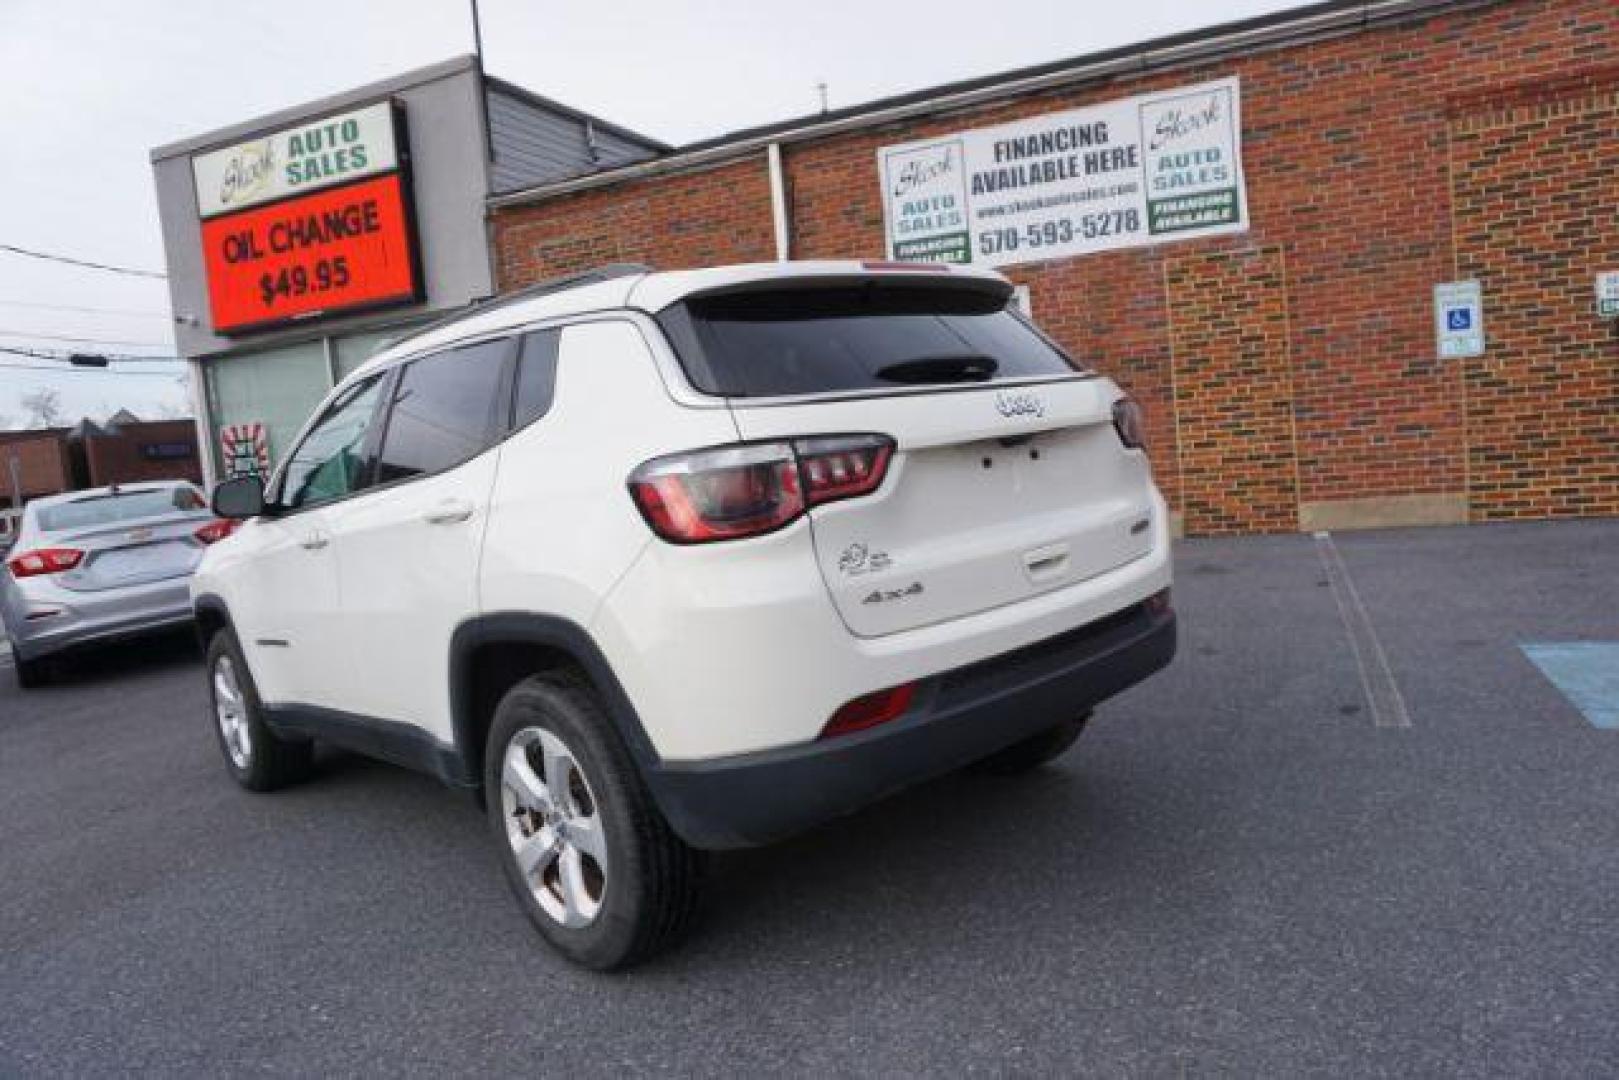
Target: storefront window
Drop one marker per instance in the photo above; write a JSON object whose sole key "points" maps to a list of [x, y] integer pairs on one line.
{"points": [[278, 388], [356, 349]]}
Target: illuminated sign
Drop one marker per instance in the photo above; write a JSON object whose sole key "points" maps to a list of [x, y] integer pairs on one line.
{"points": [[310, 156], [336, 250]]}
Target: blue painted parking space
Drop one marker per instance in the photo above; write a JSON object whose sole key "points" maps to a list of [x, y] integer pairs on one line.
{"points": [[1587, 672]]}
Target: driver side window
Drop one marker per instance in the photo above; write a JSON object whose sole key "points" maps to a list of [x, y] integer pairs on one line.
{"points": [[330, 462]]}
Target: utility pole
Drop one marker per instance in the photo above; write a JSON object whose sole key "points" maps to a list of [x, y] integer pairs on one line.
{"points": [[477, 36], [16, 483]]}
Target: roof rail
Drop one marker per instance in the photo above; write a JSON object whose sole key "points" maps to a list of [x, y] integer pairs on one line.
{"points": [[607, 272]]}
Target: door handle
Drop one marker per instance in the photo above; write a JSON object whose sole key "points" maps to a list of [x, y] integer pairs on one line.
{"points": [[314, 541], [448, 512]]}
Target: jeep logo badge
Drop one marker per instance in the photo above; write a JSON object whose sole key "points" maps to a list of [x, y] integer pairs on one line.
{"points": [[1019, 403]]}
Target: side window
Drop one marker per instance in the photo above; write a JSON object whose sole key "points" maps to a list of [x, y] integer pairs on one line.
{"points": [[536, 377], [444, 411], [329, 463]]}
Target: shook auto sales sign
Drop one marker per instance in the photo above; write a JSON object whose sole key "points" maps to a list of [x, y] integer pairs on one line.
{"points": [[308, 221], [1143, 170]]}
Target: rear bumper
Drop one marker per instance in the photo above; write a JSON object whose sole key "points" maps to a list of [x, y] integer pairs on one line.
{"points": [[959, 717], [88, 619]]}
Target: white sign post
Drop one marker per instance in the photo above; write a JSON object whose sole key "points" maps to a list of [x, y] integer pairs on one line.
{"points": [[1458, 312], [1608, 295], [1142, 170]]}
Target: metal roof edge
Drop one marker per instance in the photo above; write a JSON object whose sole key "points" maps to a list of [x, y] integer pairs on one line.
{"points": [[1294, 26], [531, 97]]}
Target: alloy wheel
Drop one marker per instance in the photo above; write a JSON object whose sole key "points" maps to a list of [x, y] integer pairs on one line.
{"points": [[555, 827]]}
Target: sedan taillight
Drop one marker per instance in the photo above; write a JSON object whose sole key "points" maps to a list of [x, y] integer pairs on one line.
{"points": [[732, 492], [44, 561], [215, 530]]}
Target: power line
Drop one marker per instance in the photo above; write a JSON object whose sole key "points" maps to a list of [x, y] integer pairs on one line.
{"points": [[86, 263], [89, 371], [87, 310], [85, 340], [67, 358]]}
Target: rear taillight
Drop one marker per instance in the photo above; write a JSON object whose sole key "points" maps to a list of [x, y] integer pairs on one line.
{"points": [[1131, 423], [44, 561], [842, 466], [216, 530], [738, 491], [870, 710]]}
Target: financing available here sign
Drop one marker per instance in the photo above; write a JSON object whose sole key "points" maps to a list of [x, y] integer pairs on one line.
{"points": [[1143, 170]]}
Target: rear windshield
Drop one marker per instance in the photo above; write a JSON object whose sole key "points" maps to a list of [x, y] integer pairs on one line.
{"points": [[814, 341], [111, 509]]}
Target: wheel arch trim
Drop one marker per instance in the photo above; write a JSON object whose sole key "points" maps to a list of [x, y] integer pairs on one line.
{"points": [[552, 633]]}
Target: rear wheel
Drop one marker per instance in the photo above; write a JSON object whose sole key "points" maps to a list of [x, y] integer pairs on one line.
{"points": [[592, 861], [1035, 751], [258, 758]]}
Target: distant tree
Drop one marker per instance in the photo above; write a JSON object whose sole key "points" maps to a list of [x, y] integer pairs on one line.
{"points": [[42, 407]]}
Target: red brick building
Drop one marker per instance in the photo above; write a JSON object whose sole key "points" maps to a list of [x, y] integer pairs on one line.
{"points": [[53, 460], [1290, 372]]}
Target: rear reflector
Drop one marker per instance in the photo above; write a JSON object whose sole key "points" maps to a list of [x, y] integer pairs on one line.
{"points": [[44, 561], [870, 710], [215, 531], [733, 492]]}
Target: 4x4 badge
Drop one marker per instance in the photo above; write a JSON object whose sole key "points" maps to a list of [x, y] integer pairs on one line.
{"points": [[1011, 403], [883, 596]]}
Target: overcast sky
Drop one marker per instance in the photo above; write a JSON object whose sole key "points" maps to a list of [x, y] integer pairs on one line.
{"points": [[88, 87]]}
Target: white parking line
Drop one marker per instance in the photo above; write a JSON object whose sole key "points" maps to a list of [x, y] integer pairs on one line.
{"points": [[1383, 695]]}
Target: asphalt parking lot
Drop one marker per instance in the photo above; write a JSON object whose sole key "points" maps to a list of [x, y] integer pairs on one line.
{"points": [[1354, 830]]}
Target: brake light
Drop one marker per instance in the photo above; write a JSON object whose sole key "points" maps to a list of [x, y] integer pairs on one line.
{"points": [[44, 561], [733, 492], [216, 530], [870, 710], [1131, 423], [908, 267]]}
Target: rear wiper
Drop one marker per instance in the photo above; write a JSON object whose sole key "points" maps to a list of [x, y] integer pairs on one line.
{"points": [[940, 369]]}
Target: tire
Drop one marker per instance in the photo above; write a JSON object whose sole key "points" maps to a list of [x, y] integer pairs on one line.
{"points": [[31, 674], [1033, 752], [256, 757], [608, 883]]}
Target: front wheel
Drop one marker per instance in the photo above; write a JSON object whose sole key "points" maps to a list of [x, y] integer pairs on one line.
{"points": [[1035, 751], [595, 866], [258, 758]]}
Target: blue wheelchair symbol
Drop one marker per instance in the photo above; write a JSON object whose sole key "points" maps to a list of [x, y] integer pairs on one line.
{"points": [[1459, 319]]}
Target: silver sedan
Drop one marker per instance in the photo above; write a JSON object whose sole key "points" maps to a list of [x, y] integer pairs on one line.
{"points": [[93, 566]]}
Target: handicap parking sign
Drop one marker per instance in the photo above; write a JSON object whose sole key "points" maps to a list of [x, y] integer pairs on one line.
{"points": [[1459, 319]]}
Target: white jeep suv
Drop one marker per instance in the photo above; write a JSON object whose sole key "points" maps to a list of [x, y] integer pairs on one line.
{"points": [[661, 563]]}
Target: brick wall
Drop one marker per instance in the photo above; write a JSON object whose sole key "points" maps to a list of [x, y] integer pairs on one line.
{"points": [[44, 464], [122, 458], [1378, 164]]}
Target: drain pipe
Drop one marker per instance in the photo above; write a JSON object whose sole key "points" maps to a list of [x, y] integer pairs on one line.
{"points": [[778, 202]]}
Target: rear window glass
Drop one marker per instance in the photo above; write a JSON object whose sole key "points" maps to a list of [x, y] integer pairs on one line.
{"points": [[111, 509], [813, 341]]}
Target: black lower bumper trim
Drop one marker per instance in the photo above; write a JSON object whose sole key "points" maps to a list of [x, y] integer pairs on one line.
{"points": [[959, 717]]}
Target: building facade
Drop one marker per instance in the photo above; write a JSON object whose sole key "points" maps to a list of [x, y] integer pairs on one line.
{"points": [[301, 242], [1286, 307]]}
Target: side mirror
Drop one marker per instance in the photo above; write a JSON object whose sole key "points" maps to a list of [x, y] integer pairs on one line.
{"points": [[239, 497]]}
